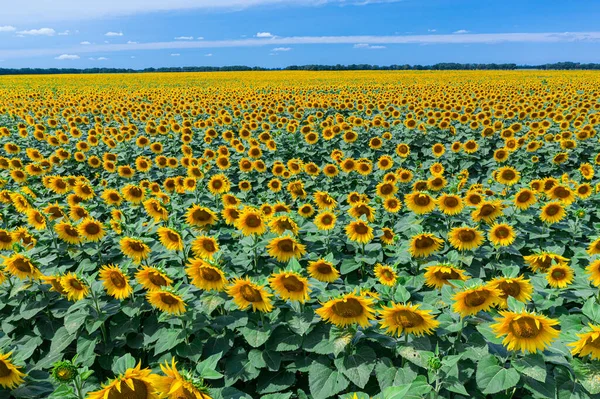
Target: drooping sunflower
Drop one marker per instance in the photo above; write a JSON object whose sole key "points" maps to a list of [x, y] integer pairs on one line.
{"points": [[166, 300], [516, 287], [199, 216], [135, 383], [472, 300], [385, 274], [552, 212], [115, 281], [323, 270], [325, 220], [251, 221], [465, 238], [588, 343], [362, 209], [359, 231], [170, 239], [134, 248], [10, 374], [245, 293], [285, 248], [91, 229], [450, 204], [206, 276], [21, 267], [560, 275], [36, 219], [280, 224], [75, 287], [440, 275], [152, 278], [543, 261], [348, 309], [525, 331], [388, 236], [205, 247], [425, 244], [156, 210], [501, 234], [420, 203], [407, 319], [67, 232], [6, 239], [178, 385], [133, 193], [290, 286]]}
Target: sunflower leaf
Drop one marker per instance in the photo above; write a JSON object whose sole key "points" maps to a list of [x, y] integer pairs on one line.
{"points": [[325, 382]]}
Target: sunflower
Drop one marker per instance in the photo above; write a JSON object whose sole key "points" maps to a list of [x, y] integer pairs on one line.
{"points": [[285, 248], [425, 244], [152, 278], [385, 274], [134, 248], [10, 374], [306, 210], [594, 247], [387, 238], [584, 190], [359, 231], [473, 198], [112, 197], [392, 204], [67, 232], [281, 224], [251, 221], [593, 269], [524, 199], [472, 300], [155, 210], [135, 383], [516, 287], [525, 331], [362, 209], [91, 229], [324, 200], [290, 286], [501, 234], [323, 271], [543, 261], [200, 216], [487, 211], [552, 212], [179, 385], [245, 293], [507, 175], [219, 184], [559, 276], [420, 203], [21, 267], [230, 215], [6, 239], [74, 286], [166, 300], [206, 276], [407, 319], [205, 247], [133, 193], [386, 189], [587, 344], [36, 219], [170, 239], [348, 309], [563, 194], [440, 275], [54, 211], [115, 281], [450, 204]]}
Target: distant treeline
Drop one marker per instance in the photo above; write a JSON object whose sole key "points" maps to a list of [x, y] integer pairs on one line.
{"points": [[313, 67]]}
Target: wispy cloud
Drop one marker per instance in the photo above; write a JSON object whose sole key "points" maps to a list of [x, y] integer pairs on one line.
{"points": [[208, 55], [38, 32], [175, 55], [113, 34], [200, 38], [282, 49], [479, 38], [264, 34], [67, 57], [460, 32], [98, 59], [432, 30], [7, 28], [368, 46], [86, 43], [64, 33], [131, 42], [184, 38]]}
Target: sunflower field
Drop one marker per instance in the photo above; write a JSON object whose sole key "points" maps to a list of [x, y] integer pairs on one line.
{"points": [[300, 235]]}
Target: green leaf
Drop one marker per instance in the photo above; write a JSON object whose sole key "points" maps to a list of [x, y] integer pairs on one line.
{"points": [[325, 382], [401, 294], [255, 335], [74, 321], [588, 374], [417, 357], [531, 365], [270, 382], [389, 375], [491, 378], [123, 363], [592, 310], [349, 265], [167, 340], [417, 389], [300, 323], [207, 367], [358, 366], [283, 339]]}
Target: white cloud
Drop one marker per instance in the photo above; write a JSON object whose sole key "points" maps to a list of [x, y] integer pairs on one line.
{"points": [[208, 55], [131, 42], [200, 38], [282, 49], [38, 32], [7, 28], [264, 34], [460, 32], [431, 30], [113, 34], [64, 33], [102, 58], [469, 38], [67, 57], [175, 55], [85, 43], [184, 38], [368, 46]]}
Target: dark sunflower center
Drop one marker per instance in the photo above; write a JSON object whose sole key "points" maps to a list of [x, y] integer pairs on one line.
{"points": [[71, 231], [466, 235], [92, 228], [168, 299], [387, 189], [451, 202], [350, 307], [422, 200], [487, 210], [201, 215], [509, 289], [136, 246], [558, 274], [508, 174], [388, 234], [324, 268], [361, 229], [552, 210], [292, 284], [286, 245], [407, 318], [424, 242], [392, 204], [139, 391], [476, 298], [452, 275], [525, 327], [5, 237], [4, 370], [23, 265], [76, 284], [173, 237], [250, 294], [156, 279], [209, 274], [117, 279], [502, 232], [253, 221], [523, 197], [208, 245], [217, 184]]}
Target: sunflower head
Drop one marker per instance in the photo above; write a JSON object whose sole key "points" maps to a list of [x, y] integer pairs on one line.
{"points": [[472, 300], [290, 286], [407, 319], [348, 309], [525, 331], [64, 371], [10, 374]]}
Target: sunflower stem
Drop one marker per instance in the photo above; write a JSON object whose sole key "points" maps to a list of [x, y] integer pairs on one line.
{"points": [[99, 312], [459, 335], [79, 388], [405, 344]]}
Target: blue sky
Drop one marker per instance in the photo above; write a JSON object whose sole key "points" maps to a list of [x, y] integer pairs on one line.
{"points": [[277, 33]]}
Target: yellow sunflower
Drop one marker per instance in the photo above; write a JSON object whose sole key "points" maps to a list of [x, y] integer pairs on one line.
{"points": [[115, 281], [74, 286], [199, 216], [91, 230], [362, 209], [359, 231], [525, 331], [552, 212], [543, 261], [285, 248], [407, 319], [507, 175], [152, 278], [206, 276], [385, 274], [487, 211], [21, 267], [348, 309], [465, 238], [134, 248], [594, 247], [425, 244], [472, 300], [560, 275], [178, 385], [280, 224], [6, 239], [325, 220], [251, 221], [516, 287], [524, 199], [420, 203], [450, 204], [245, 293], [166, 301], [170, 239], [501, 234], [10, 374], [135, 383], [440, 275], [323, 270], [290, 286], [587, 344]]}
